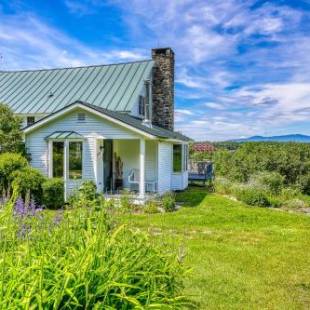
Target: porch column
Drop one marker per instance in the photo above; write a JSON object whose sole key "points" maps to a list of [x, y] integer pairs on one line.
{"points": [[66, 168], [142, 169]]}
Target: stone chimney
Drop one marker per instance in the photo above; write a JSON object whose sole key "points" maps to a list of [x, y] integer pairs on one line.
{"points": [[163, 88]]}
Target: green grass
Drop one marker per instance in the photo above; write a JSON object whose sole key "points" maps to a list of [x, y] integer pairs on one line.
{"points": [[240, 257]]}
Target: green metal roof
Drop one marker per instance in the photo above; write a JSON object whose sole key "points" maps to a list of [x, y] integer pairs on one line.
{"points": [[60, 135], [114, 87]]}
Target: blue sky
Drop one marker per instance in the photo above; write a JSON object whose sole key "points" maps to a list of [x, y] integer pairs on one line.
{"points": [[242, 67]]}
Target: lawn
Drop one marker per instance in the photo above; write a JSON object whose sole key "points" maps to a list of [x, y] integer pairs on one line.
{"points": [[239, 257]]}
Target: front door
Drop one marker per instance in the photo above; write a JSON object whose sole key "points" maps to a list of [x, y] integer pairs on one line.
{"points": [[108, 165]]}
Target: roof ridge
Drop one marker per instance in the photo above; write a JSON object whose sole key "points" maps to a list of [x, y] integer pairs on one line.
{"points": [[78, 67]]}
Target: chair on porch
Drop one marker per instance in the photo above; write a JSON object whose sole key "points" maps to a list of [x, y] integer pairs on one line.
{"points": [[134, 180]]}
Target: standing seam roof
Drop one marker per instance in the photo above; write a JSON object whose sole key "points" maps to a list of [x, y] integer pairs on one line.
{"points": [[115, 87]]}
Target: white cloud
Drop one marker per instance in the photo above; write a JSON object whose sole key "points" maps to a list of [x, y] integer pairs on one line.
{"points": [[27, 42], [214, 105], [184, 112]]}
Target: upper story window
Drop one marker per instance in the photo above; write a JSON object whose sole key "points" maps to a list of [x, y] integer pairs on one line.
{"points": [[141, 105], [30, 120], [81, 117]]}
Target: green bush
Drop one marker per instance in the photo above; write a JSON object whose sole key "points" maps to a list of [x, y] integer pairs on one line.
{"points": [[303, 182], [295, 204], [253, 196], [168, 202], [223, 186], [271, 181], [151, 207], [86, 196], [88, 190], [76, 262], [53, 193], [9, 162], [126, 205], [27, 183]]}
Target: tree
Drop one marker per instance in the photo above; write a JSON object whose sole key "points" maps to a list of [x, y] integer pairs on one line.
{"points": [[11, 137]]}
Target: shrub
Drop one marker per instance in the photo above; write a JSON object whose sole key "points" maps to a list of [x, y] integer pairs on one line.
{"points": [[9, 162], [86, 196], [151, 207], [271, 181], [53, 193], [79, 263], [303, 182], [88, 190], [288, 193], [27, 182], [295, 204], [223, 186], [11, 136], [253, 197], [168, 202], [126, 205]]}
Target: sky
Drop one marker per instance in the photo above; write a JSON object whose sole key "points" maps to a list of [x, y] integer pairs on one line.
{"points": [[242, 66]]}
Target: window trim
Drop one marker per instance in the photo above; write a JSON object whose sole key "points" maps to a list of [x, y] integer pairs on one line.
{"points": [[181, 170], [141, 105], [184, 158], [81, 117], [68, 154], [30, 123], [66, 157]]}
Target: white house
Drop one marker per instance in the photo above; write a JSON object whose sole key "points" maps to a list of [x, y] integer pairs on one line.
{"points": [[112, 124]]}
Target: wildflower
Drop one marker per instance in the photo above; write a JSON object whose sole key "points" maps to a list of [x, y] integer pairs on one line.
{"points": [[19, 208]]}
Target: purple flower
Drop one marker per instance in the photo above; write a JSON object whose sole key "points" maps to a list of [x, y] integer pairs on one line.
{"points": [[21, 210]]}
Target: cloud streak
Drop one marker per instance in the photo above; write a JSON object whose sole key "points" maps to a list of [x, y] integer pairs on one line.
{"points": [[242, 67]]}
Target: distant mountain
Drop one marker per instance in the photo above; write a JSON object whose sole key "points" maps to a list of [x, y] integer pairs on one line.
{"points": [[285, 138]]}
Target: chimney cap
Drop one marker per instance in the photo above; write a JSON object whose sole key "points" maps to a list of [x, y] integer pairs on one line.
{"points": [[162, 51]]}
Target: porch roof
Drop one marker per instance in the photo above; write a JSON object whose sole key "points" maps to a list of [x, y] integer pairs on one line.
{"points": [[138, 123], [128, 120], [60, 135]]}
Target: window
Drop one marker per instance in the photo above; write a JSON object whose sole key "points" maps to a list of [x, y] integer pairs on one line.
{"points": [[185, 158], [81, 117], [58, 159], [75, 159], [141, 105], [30, 120], [177, 157]]}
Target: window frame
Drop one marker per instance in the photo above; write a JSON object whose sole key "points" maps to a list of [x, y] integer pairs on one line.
{"points": [[82, 157], [173, 158], [184, 158], [141, 105], [27, 120], [66, 158]]}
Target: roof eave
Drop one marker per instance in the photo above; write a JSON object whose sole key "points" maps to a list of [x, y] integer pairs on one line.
{"points": [[79, 104]]}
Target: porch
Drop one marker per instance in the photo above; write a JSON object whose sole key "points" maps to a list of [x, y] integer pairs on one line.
{"points": [[127, 166]]}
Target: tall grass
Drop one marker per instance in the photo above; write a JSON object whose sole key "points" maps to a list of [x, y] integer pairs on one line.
{"points": [[76, 260]]}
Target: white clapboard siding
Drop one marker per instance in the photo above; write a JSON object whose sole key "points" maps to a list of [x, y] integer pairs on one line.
{"points": [[179, 181], [164, 167], [91, 129], [151, 160]]}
